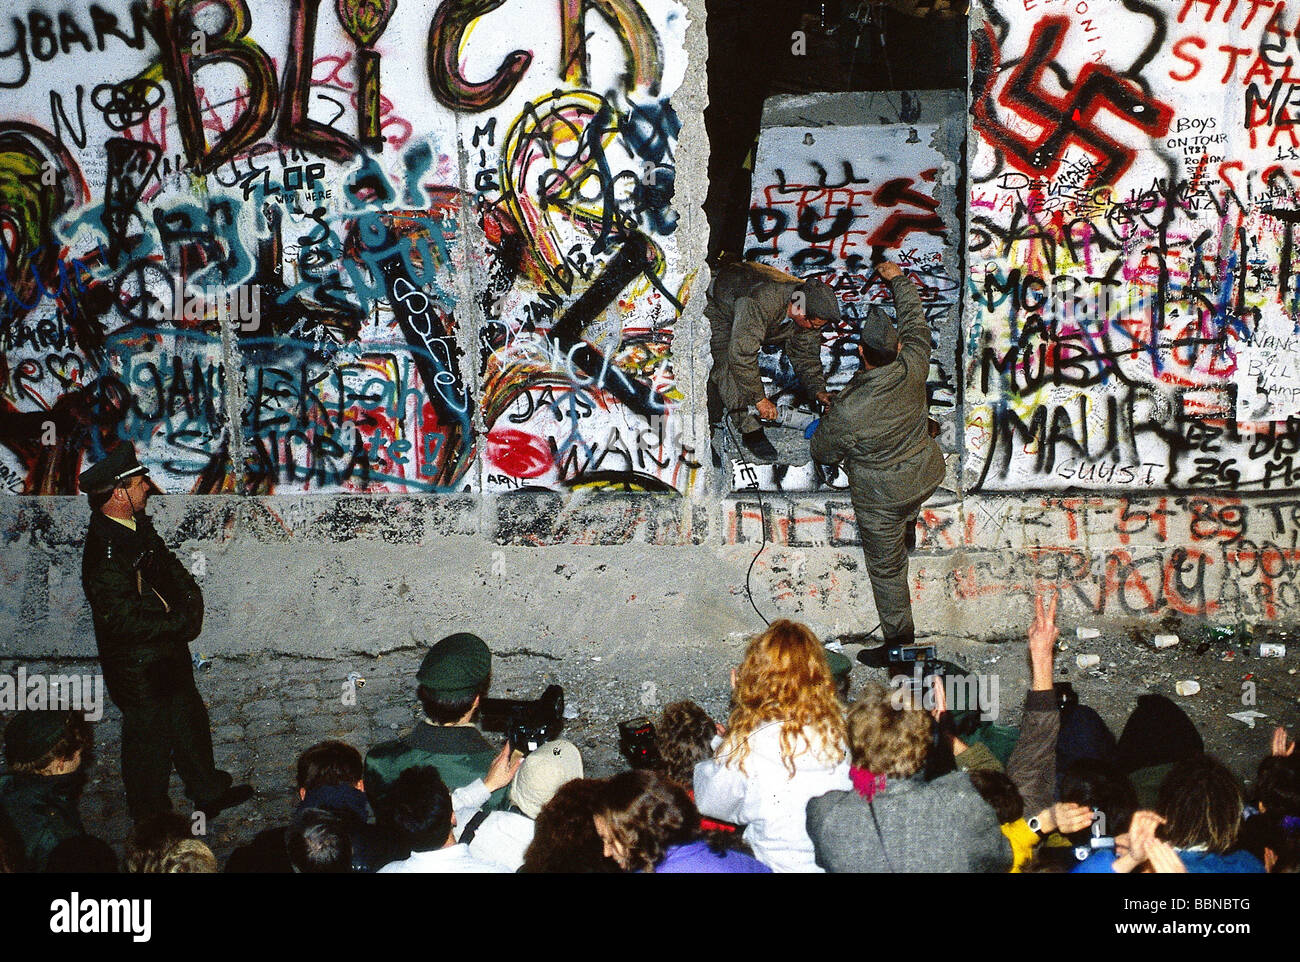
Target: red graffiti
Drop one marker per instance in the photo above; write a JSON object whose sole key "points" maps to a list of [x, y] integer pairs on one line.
{"points": [[518, 453]]}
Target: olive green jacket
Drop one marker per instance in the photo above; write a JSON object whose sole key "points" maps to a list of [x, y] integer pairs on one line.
{"points": [[878, 425], [757, 310], [459, 752]]}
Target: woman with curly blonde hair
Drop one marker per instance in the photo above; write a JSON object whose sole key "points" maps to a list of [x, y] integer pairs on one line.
{"points": [[785, 744]]}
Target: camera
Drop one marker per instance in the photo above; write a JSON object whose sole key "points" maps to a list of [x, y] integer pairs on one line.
{"points": [[915, 662], [527, 724], [638, 743], [1097, 837]]}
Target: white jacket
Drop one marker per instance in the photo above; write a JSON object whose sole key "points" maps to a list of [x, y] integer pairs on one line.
{"points": [[767, 800]]}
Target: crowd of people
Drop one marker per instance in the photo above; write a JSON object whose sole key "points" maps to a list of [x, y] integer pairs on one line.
{"points": [[797, 780]]}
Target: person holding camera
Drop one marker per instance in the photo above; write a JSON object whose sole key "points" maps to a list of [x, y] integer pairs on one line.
{"points": [[147, 608], [879, 428], [452, 682]]}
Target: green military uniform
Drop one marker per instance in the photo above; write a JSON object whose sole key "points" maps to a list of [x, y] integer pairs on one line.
{"points": [[459, 752], [878, 427], [748, 310], [147, 608], [454, 670]]}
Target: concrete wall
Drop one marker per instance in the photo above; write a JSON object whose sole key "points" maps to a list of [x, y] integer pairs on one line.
{"points": [[471, 395]]}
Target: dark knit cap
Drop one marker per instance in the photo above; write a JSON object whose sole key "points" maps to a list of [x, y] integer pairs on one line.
{"points": [[877, 331], [33, 733], [456, 667], [820, 301]]}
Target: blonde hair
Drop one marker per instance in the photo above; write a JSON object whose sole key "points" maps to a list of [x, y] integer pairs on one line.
{"points": [[189, 855], [784, 678], [887, 735]]}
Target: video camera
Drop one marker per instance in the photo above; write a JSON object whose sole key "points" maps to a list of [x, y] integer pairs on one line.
{"points": [[1097, 837], [638, 742], [527, 724], [906, 659]]}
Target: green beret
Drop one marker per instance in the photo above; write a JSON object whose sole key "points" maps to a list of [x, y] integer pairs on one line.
{"points": [[107, 474], [456, 667], [32, 733]]}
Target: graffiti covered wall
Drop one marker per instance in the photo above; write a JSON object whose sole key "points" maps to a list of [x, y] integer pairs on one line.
{"points": [[1133, 201], [836, 175], [349, 246]]}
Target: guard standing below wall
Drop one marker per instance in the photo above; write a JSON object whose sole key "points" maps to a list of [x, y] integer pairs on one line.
{"points": [[147, 608], [879, 428], [752, 305]]}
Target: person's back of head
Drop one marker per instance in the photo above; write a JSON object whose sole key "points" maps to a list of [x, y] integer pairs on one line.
{"points": [[1097, 784], [543, 773], [329, 763], [82, 855], [188, 856], [1277, 784], [454, 675], [785, 677], [1157, 733], [151, 839], [319, 842], [888, 733], [1201, 803], [421, 808], [564, 836], [684, 737], [1001, 793], [642, 814], [47, 742]]}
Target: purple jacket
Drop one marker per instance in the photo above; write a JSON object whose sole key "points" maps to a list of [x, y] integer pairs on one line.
{"points": [[698, 857]]}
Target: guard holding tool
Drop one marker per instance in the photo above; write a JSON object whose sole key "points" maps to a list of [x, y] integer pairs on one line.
{"points": [[147, 608], [878, 427], [751, 306]]}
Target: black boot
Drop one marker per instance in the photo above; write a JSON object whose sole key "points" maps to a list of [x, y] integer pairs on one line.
{"points": [[878, 657], [232, 796]]}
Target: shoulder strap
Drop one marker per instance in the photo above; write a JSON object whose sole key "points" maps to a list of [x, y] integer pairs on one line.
{"points": [[467, 836]]}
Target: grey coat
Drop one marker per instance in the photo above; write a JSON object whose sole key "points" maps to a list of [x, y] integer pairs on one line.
{"points": [[878, 425], [938, 826]]}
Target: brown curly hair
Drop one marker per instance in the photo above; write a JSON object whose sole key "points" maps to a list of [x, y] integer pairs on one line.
{"points": [[886, 739], [784, 678], [684, 736], [564, 837], [646, 813]]}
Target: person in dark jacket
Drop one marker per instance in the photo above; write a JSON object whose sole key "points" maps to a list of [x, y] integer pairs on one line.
{"points": [[751, 306], [879, 428], [39, 795], [147, 608], [330, 777]]}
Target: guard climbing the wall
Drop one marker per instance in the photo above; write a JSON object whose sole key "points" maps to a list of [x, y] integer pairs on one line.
{"points": [[147, 608], [751, 306], [878, 427]]}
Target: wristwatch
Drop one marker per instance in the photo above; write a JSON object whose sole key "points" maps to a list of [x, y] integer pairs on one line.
{"points": [[1036, 827]]}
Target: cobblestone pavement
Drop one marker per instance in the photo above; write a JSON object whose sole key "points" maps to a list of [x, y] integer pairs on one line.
{"points": [[266, 709]]}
